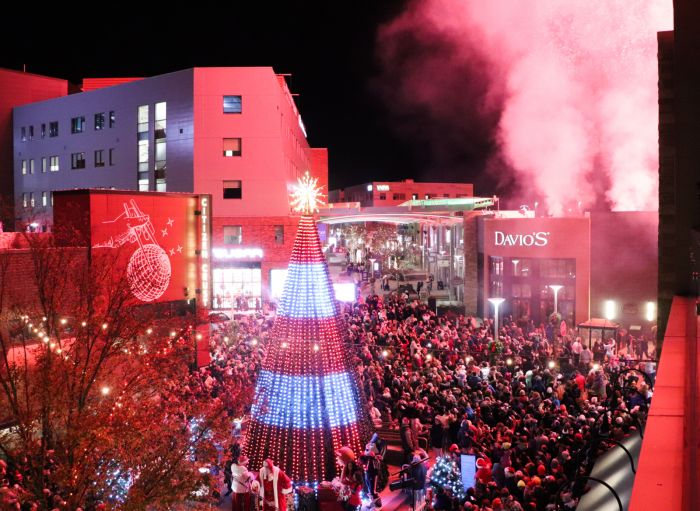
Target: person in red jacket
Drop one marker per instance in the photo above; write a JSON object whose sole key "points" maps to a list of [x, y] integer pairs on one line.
{"points": [[351, 479], [483, 471]]}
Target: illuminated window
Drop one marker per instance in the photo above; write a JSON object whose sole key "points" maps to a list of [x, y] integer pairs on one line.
{"points": [[233, 234], [31, 166], [161, 120], [23, 134], [53, 129], [414, 196], [100, 121], [31, 132], [238, 288], [77, 124], [25, 200], [77, 160], [31, 199], [143, 181], [44, 199], [53, 164], [279, 234], [24, 167], [160, 154], [233, 105], [233, 190], [112, 119], [143, 119], [100, 158], [43, 165], [43, 130], [232, 147]]}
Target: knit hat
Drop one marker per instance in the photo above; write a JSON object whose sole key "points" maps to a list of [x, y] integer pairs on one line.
{"points": [[345, 454], [521, 484]]}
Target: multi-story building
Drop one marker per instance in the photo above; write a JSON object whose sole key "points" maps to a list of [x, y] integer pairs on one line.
{"points": [[232, 133], [386, 193], [18, 88], [679, 177]]}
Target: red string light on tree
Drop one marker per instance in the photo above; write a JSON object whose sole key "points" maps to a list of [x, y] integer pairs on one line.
{"points": [[307, 400]]}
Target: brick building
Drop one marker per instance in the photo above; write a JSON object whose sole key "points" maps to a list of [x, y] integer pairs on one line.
{"points": [[232, 133], [387, 193]]}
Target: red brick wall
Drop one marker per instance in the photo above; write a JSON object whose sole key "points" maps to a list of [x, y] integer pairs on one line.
{"points": [[259, 232]]}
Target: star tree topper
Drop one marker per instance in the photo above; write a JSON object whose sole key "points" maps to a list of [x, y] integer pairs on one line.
{"points": [[307, 196]]}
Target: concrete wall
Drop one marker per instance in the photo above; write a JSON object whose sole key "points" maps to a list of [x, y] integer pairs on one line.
{"points": [[624, 264], [274, 148]]}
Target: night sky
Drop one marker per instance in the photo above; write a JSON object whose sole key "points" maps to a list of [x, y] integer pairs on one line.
{"points": [[330, 49]]}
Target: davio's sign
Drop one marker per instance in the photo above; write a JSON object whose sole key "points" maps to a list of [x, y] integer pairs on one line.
{"points": [[534, 239]]}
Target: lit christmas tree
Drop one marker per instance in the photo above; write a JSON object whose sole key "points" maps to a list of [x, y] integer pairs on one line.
{"points": [[446, 475], [307, 400]]}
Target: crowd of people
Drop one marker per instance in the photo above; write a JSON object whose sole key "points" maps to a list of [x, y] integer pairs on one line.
{"points": [[530, 406], [533, 406]]}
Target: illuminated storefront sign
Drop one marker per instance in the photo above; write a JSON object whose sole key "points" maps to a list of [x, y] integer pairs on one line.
{"points": [[237, 253], [204, 249], [382, 188], [535, 239]]}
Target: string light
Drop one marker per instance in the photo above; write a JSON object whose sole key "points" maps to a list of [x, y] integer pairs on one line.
{"points": [[149, 331], [307, 401], [64, 321], [104, 326], [84, 323], [105, 390]]}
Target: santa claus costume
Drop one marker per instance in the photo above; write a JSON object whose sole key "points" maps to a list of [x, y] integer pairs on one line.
{"points": [[275, 485]]}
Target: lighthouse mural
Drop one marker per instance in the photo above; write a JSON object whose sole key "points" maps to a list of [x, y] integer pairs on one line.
{"points": [[307, 400]]}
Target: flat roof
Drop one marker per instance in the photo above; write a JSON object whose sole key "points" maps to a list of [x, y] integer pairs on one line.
{"points": [[432, 211]]}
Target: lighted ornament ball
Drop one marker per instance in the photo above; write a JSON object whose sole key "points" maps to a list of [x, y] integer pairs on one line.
{"points": [[148, 272]]}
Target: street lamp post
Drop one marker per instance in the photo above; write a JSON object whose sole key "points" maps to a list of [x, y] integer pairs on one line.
{"points": [[556, 288], [496, 302]]}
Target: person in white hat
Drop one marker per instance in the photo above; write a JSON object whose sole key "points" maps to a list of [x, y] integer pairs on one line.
{"points": [[242, 498]]}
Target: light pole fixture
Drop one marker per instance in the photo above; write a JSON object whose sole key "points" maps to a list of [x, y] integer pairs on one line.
{"points": [[556, 288], [496, 302], [515, 265], [371, 266]]}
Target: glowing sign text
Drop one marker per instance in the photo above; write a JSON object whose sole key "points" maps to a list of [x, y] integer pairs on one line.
{"points": [[536, 239], [237, 253]]}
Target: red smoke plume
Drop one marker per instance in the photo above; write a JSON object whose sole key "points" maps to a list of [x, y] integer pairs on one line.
{"points": [[565, 90]]}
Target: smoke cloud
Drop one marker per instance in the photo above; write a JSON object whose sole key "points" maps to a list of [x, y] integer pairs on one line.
{"points": [[560, 94]]}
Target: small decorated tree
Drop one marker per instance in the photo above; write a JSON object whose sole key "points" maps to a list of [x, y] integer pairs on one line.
{"points": [[447, 475]]}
